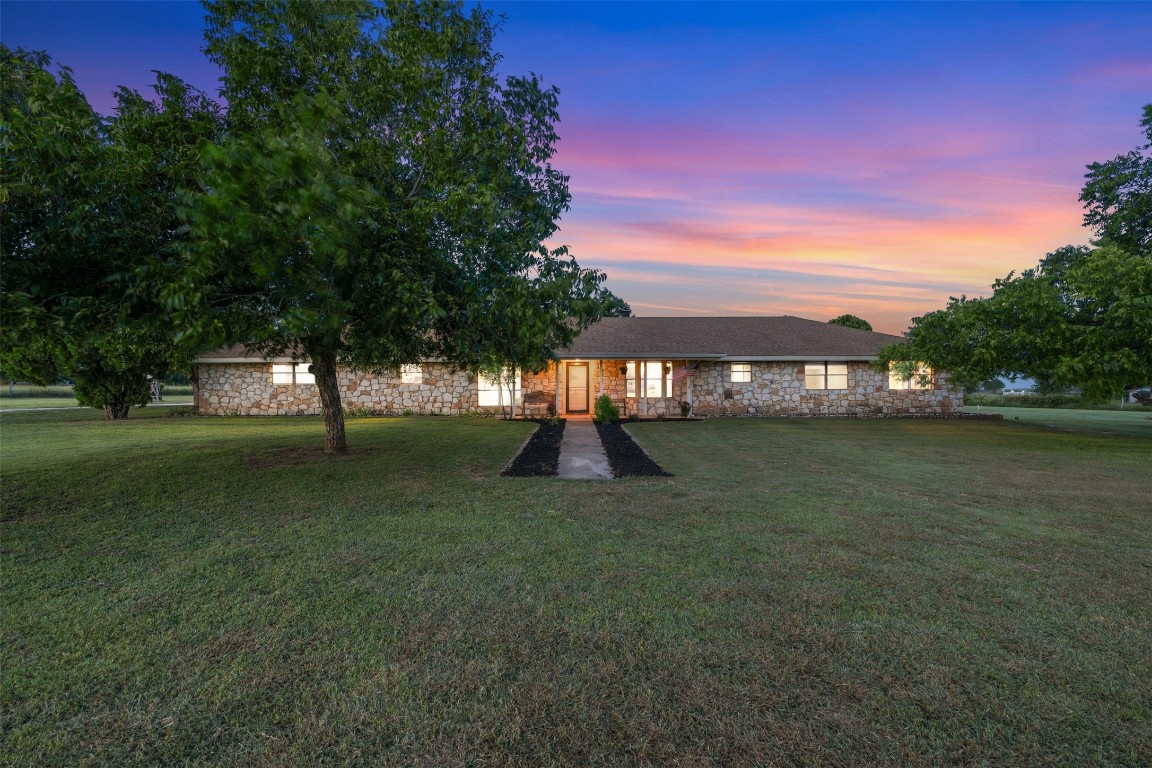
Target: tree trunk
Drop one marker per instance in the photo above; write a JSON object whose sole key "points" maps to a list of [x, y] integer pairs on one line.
{"points": [[116, 410], [324, 368]]}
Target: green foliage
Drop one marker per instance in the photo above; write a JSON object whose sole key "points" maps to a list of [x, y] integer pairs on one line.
{"points": [[1118, 195], [851, 321], [382, 197], [1082, 318], [88, 205], [605, 411]]}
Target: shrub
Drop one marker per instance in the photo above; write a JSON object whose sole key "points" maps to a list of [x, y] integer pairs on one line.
{"points": [[606, 411]]}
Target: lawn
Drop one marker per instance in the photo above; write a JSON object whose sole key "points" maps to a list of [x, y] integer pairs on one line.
{"points": [[215, 591], [1134, 422], [27, 396]]}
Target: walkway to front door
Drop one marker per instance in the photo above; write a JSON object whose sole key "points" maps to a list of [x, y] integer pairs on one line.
{"points": [[582, 454]]}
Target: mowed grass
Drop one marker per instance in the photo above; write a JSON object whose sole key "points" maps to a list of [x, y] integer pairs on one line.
{"points": [[1134, 422], [215, 591]]}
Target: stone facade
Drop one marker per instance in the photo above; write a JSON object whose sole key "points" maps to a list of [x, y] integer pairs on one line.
{"points": [[776, 389], [246, 389]]}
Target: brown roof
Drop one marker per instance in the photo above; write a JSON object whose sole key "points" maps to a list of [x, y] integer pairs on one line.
{"points": [[691, 338], [734, 338], [239, 353]]}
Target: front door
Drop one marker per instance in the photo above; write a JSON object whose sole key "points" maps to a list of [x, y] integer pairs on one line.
{"points": [[577, 388]]}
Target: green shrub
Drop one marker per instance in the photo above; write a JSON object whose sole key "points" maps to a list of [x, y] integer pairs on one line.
{"points": [[606, 411]]}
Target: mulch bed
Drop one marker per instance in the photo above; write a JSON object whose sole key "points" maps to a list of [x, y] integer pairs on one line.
{"points": [[540, 456], [625, 457]]}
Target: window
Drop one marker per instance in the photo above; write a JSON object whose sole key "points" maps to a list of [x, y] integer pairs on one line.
{"points": [[411, 374], [826, 375], [292, 373], [741, 373], [494, 393], [921, 378], [656, 378]]}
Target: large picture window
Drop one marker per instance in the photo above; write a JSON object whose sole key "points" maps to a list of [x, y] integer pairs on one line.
{"points": [[921, 378], [741, 373], [411, 373], [651, 378], [825, 375], [292, 373], [492, 392]]}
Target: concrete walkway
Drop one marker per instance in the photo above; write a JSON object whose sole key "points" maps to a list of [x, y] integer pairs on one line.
{"points": [[581, 452]]}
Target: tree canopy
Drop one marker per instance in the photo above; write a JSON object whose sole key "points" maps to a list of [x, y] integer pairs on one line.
{"points": [[88, 202], [851, 321], [1081, 318], [1118, 196], [382, 197]]}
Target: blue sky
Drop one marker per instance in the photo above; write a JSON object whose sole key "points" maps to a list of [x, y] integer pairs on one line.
{"points": [[748, 158]]}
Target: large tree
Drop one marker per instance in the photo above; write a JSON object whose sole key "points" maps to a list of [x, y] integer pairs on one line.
{"points": [[1081, 318], [87, 202], [382, 197]]}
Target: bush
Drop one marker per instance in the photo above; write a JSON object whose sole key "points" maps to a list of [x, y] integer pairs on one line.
{"points": [[606, 411]]}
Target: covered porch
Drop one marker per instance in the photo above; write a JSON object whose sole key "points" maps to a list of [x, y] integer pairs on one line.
{"points": [[642, 387]]}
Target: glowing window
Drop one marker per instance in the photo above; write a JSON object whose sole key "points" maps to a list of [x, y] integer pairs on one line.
{"points": [[656, 376], [493, 392], [825, 375], [411, 374], [292, 373], [741, 373], [920, 378]]}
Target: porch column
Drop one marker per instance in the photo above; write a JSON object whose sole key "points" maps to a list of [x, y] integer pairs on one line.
{"points": [[600, 365], [643, 378]]}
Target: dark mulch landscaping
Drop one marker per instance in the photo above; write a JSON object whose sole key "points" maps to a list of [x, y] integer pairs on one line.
{"points": [[625, 457], [540, 456]]}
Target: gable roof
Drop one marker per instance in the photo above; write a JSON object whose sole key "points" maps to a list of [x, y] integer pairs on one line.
{"points": [[720, 338]]}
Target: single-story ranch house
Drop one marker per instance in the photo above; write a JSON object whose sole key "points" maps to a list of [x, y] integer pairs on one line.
{"points": [[719, 366]]}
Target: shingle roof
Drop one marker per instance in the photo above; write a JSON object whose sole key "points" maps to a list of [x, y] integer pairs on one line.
{"points": [[719, 337], [691, 338]]}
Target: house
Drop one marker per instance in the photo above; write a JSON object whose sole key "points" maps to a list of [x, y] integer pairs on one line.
{"points": [[649, 366]]}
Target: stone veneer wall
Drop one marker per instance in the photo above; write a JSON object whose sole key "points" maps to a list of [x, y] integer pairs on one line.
{"points": [[776, 389], [246, 389]]}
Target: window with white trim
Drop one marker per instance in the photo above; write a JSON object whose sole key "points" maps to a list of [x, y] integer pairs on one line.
{"points": [[825, 375], [921, 377], [411, 373], [655, 378], [292, 373], [493, 392], [741, 373]]}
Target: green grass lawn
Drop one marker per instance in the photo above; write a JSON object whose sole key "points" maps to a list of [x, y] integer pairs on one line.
{"points": [[1135, 422], [215, 591], [27, 396]]}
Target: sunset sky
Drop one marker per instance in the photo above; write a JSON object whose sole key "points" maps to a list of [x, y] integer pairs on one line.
{"points": [[803, 159]]}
